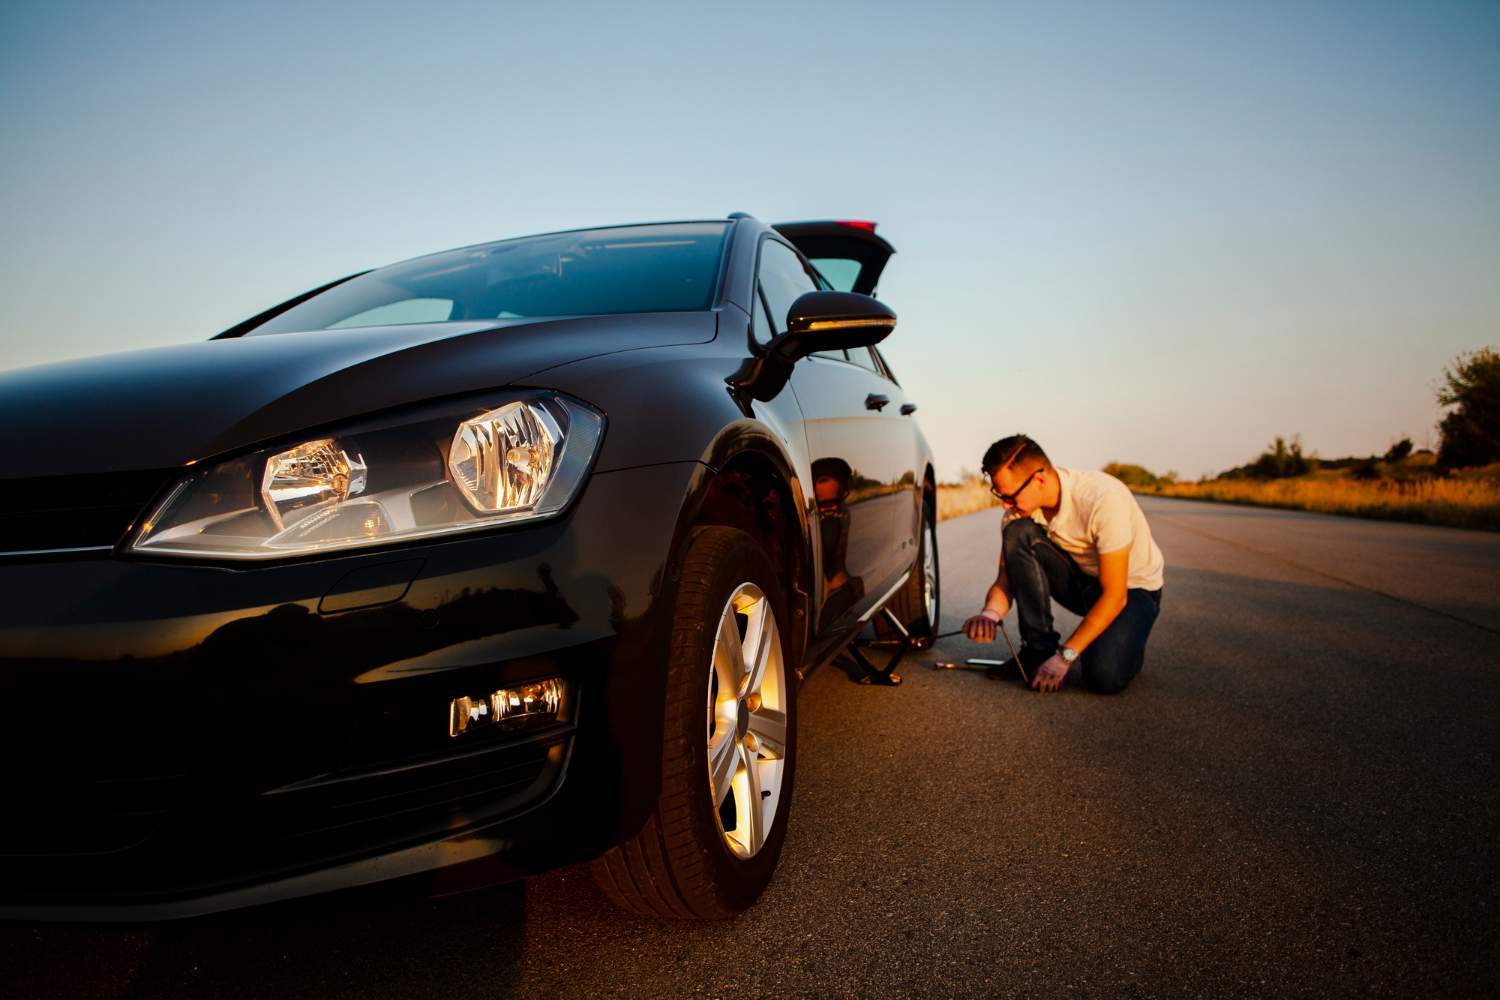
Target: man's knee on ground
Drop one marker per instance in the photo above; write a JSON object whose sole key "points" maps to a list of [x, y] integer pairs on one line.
{"points": [[1108, 674]]}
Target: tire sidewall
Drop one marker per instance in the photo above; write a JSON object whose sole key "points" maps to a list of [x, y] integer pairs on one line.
{"points": [[929, 537], [736, 881]]}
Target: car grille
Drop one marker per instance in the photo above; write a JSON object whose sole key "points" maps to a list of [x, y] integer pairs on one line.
{"points": [[73, 512], [72, 818], [430, 797], [164, 836]]}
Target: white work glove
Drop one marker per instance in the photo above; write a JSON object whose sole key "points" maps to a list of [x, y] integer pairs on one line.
{"points": [[1049, 676]]}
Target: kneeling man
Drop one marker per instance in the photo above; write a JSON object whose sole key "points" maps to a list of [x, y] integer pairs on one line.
{"points": [[1081, 538]]}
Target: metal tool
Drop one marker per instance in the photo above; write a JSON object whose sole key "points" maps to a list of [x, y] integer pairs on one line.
{"points": [[1014, 658], [976, 662]]}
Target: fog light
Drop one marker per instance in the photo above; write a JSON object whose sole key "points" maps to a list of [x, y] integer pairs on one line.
{"points": [[507, 707]]}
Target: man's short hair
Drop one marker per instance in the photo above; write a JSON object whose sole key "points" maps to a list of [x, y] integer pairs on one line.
{"points": [[1018, 449]]}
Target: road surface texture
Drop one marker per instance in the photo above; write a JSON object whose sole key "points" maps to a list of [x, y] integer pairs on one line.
{"points": [[1297, 797]]}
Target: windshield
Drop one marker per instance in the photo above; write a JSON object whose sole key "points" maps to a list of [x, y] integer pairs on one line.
{"points": [[672, 267]]}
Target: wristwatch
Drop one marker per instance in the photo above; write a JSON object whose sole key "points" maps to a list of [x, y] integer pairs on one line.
{"points": [[1069, 654]]}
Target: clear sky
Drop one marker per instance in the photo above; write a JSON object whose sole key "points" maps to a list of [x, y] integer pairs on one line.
{"points": [[1150, 232]]}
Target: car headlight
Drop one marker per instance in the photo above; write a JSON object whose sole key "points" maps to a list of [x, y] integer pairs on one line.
{"points": [[447, 469]]}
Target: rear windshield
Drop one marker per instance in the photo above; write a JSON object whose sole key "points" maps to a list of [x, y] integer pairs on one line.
{"points": [[628, 269]]}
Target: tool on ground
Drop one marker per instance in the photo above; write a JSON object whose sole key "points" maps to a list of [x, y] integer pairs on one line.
{"points": [[886, 676], [973, 662], [1014, 658]]}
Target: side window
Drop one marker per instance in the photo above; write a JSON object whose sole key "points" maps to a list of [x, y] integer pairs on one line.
{"points": [[889, 372], [861, 357], [782, 279]]}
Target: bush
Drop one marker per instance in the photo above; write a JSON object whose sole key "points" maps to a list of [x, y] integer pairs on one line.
{"points": [[1280, 461], [1398, 451], [1471, 431], [1134, 476]]}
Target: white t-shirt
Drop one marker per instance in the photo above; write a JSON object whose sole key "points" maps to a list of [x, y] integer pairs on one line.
{"points": [[1098, 513]]}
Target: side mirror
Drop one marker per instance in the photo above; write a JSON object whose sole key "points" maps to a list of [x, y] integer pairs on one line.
{"points": [[833, 321], [817, 321]]}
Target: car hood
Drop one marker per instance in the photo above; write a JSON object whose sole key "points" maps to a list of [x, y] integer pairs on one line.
{"points": [[166, 407]]}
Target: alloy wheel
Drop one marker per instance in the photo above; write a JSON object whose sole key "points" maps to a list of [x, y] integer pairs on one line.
{"points": [[747, 722], [929, 573]]}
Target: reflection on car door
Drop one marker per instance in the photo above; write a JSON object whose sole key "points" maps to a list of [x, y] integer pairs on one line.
{"points": [[857, 462], [899, 433], [850, 257]]}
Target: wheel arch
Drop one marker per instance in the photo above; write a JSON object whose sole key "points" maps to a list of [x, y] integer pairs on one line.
{"points": [[747, 481]]}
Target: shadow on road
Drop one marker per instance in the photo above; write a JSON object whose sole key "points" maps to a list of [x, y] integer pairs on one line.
{"points": [[370, 943]]}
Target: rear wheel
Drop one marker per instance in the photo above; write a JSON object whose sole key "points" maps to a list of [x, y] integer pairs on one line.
{"points": [[917, 604], [711, 844]]}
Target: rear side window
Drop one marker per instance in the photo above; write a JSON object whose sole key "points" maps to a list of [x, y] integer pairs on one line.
{"points": [[592, 272], [840, 272]]}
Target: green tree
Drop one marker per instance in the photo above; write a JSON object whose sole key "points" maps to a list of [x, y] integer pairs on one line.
{"points": [[1398, 451], [1471, 430], [1281, 460], [1131, 475]]}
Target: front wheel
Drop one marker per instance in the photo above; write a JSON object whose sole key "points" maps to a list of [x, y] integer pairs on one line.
{"points": [[711, 844]]}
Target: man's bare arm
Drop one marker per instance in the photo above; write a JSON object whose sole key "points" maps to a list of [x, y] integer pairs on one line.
{"points": [[1114, 579], [981, 627]]}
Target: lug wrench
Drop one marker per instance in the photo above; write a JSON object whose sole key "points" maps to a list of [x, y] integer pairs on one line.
{"points": [[976, 662]]}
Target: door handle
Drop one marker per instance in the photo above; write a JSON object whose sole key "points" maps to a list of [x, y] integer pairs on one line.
{"points": [[907, 409], [875, 401]]}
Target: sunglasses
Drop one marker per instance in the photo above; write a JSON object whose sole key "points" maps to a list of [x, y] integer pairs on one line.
{"points": [[1009, 499]]}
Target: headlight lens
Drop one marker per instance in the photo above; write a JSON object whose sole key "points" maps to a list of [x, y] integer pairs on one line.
{"points": [[503, 459], [448, 469], [308, 477]]}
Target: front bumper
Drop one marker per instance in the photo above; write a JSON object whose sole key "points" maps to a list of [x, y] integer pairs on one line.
{"points": [[180, 739]]}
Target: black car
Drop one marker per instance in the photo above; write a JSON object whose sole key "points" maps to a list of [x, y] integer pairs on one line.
{"points": [[458, 569]]}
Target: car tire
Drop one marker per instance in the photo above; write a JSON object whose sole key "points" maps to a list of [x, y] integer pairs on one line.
{"points": [[702, 853], [917, 605]]}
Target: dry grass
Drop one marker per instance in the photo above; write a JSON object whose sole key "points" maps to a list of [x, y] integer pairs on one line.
{"points": [[1459, 503], [1470, 500], [958, 499]]}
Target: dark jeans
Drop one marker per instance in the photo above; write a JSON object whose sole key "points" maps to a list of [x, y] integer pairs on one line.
{"points": [[1040, 572]]}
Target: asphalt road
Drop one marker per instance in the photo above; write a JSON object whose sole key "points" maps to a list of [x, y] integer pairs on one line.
{"points": [[1297, 797]]}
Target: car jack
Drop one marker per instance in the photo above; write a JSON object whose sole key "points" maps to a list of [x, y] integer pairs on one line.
{"points": [[885, 676]]}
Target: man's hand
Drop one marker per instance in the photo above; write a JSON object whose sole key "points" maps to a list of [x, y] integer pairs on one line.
{"points": [[980, 628], [1049, 676]]}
